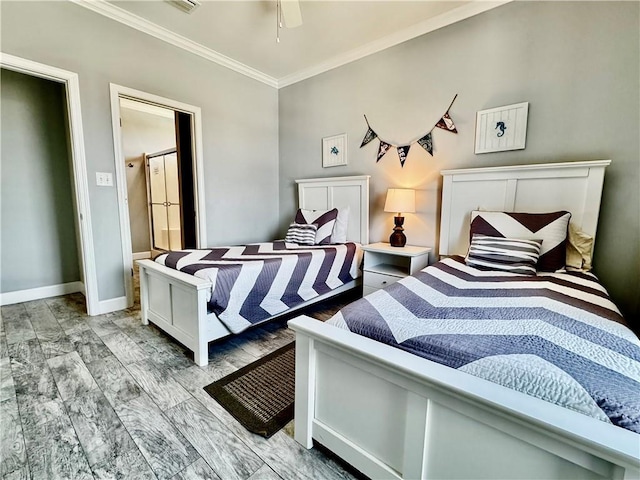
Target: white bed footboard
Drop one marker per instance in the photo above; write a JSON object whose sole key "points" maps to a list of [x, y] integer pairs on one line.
{"points": [[391, 414], [177, 303]]}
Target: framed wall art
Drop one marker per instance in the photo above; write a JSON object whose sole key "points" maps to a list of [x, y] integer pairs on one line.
{"points": [[334, 150], [502, 128]]}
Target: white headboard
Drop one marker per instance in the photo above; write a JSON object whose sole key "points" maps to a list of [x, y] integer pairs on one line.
{"points": [[327, 193], [572, 186]]}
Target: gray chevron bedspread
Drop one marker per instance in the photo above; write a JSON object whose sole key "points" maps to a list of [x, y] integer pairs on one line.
{"points": [[254, 282], [554, 336]]}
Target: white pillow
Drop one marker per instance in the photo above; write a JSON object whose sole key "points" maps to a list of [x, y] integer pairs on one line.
{"points": [[339, 234]]}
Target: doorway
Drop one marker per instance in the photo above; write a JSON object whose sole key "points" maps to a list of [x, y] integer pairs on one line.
{"points": [[80, 188], [159, 168], [159, 174]]}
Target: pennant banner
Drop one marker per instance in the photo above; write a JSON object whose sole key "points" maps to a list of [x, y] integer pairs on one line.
{"points": [[403, 151], [370, 135], [446, 123], [382, 149], [426, 141]]}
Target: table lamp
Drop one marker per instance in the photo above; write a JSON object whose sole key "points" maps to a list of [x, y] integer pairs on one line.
{"points": [[399, 200]]}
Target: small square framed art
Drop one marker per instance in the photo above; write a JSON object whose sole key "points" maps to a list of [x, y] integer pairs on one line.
{"points": [[334, 150]]}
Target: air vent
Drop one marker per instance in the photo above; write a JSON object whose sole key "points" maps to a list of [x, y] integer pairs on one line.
{"points": [[185, 5]]}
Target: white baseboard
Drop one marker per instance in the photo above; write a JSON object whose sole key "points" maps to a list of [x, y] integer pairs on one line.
{"points": [[104, 306], [9, 298], [112, 305], [141, 255]]}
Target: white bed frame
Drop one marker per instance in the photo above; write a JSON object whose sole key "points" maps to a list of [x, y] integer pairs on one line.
{"points": [[177, 302], [394, 415]]}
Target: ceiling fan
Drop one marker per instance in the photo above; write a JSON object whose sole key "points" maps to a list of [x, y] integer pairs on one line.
{"points": [[187, 6], [287, 12]]}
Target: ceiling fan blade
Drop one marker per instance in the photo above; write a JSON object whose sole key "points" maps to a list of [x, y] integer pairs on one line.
{"points": [[291, 13]]}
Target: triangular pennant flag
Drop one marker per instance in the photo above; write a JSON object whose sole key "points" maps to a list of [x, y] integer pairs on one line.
{"points": [[446, 123], [426, 142], [403, 151], [382, 149], [370, 135]]}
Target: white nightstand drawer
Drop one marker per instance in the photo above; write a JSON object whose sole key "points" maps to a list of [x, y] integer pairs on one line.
{"points": [[378, 280]]}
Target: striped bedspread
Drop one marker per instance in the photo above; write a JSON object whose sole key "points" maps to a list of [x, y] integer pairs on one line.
{"points": [[555, 336], [254, 282]]}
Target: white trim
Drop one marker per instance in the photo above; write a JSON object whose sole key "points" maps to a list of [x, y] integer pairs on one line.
{"points": [[121, 15], [79, 163], [125, 17], [9, 298], [533, 166], [448, 18], [141, 255], [117, 92], [112, 305], [146, 108]]}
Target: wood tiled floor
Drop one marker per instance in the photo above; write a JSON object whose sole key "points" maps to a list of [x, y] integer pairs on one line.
{"points": [[106, 397]]}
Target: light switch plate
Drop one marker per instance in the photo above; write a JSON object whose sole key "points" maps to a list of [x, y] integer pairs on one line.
{"points": [[104, 179]]}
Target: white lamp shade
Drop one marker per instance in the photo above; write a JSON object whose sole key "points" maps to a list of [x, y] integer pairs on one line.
{"points": [[400, 200]]}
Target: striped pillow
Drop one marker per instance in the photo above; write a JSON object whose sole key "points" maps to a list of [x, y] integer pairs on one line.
{"points": [[550, 228], [302, 233], [512, 255], [324, 219]]}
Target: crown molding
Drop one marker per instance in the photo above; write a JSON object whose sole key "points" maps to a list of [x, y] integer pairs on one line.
{"points": [[461, 13], [125, 17], [134, 21]]}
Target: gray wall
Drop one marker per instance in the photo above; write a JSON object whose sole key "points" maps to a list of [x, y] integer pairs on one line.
{"points": [[239, 116], [142, 133], [577, 63], [37, 240]]}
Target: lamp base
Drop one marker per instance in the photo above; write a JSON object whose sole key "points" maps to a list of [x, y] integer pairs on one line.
{"points": [[397, 238]]}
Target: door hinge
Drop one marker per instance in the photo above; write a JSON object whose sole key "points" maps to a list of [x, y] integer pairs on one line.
{"points": [[132, 272]]}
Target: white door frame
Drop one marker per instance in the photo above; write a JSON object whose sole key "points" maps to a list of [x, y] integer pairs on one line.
{"points": [[79, 165], [118, 91]]}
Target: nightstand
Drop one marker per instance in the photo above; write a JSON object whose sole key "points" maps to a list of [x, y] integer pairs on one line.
{"points": [[384, 264]]}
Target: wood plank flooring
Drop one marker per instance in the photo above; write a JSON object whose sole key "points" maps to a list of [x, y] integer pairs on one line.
{"points": [[105, 397]]}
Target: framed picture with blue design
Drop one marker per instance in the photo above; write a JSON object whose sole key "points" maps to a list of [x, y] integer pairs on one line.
{"points": [[502, 128], [334, 150]]}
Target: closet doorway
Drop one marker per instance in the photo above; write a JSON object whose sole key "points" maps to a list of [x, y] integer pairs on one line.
{"points": [[79, 183], [159, 167]]}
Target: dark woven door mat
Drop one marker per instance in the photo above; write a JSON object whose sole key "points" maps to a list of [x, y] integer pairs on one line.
{"points": [[260, 395]]}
